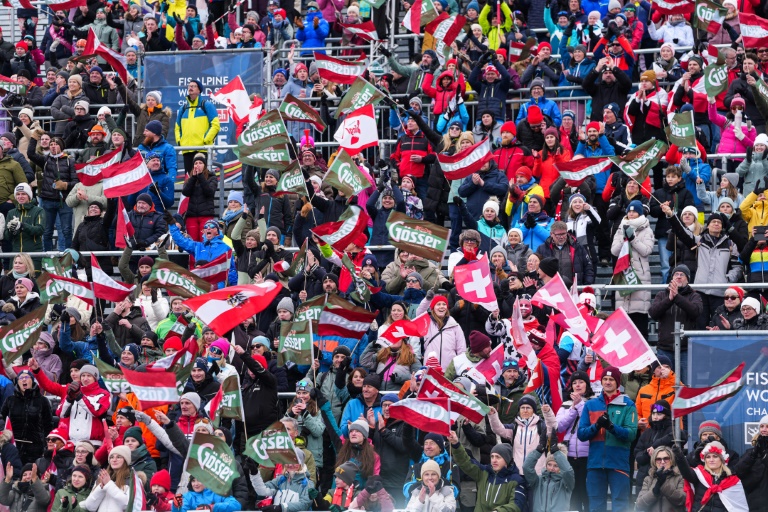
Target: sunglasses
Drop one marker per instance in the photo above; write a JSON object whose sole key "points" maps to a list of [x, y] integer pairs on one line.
{"points": [[215, 350], [663, 459], [256, 346], [509, 364], [411, 280], [762, 50], [731, 297], [454, 128], [52, 439]]}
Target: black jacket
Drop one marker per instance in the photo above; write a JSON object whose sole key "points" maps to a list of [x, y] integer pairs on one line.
{"points": [[99, 94], [148, 226], [312, 282], [207, 388], [201, 194], [741, 87], [658, 433], [679, 197], [686, 308], [581, 264], [30, 304], [752, 469], [603, 93], [259, 396], [491, 96], [30, 414], [76, 131], [61, 168], [469, 316], [395, 444]]}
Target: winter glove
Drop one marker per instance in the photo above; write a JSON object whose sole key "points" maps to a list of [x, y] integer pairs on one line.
{"points": [[141, 244], [629, 233], [542, 448], [64, 317], [604, 422], [430, 295], [385, 52], [8, 308], [758, 188], [60, 185], [168, 218], [72, 391], [16, 121], [380, 186], [458, 201], [661, 477], [374, 484], [553, 447], [530, 221], [143, 417], [250, 465], [153, 294], [178, 20]]}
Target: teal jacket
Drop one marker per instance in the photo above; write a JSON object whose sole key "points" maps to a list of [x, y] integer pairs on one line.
{"points": [[549, 491], [608, 449]]}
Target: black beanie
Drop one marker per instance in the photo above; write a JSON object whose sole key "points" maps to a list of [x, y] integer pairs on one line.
{"points": [[550, 266]]}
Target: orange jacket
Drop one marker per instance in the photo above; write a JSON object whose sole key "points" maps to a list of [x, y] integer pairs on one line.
{"points": [[657, 389], [149, 439]]}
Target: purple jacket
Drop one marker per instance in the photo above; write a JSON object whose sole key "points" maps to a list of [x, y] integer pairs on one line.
{"points": [[568, 422], [329, 9]]}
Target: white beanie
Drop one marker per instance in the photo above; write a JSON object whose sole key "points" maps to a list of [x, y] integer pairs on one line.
{"points": [[763, 420], [157, 95], [493, 205], [691, 209], [761, 139], [751, 302], [192, 397], [28, 112], [24, 187]]}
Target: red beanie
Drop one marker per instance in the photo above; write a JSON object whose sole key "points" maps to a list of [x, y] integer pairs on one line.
{"points": [[739, 291], [360, 240], [593, 124], [502, 52], [534, 115], [544, 45], [524, 171], [161, 478], [478, 342], [280, 12], [172, 342], [510, 127], [436, 300], [611, 371], [451, 61]]}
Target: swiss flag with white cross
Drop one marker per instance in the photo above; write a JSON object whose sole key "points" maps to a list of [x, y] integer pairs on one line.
{"points": [[474, 284], [619, 343]]}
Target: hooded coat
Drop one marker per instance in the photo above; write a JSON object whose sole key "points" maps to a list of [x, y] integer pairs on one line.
{"points": [[658, 433], [34, 499], [641, 247], [31, 420], [502, 491], [549, 491], [670, 499]]}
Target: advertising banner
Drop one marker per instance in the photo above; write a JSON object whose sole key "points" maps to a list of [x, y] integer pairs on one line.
{"points": [[709, 358], [170, 74]]}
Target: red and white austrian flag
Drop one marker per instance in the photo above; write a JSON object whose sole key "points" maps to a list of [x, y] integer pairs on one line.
{"points": [[754, 30], [105, 287], [358, 131], [95, 47], [427, 414], [89, 174], [467, 162], [223, 309], [473, 282], [338, 71], [123, 227], [79, 289], [674, 6], [365, 31], [126, 178], [620, 343], [153, 389], [575, 172], [421, 13], [215, 271], [235, 97]]}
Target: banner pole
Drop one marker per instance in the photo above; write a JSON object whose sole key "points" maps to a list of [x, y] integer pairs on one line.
{"points": [[678, 340]]}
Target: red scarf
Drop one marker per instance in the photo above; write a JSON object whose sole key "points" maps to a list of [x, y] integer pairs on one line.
{"points": [[339, 495], [653, 117], [724, 484]]}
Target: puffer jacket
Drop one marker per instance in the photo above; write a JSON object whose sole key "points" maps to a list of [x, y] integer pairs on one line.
{"points": [[752, 169], [752, 469], [729, 143], [159, 113], [568, 422], [525, 436], [714, 504], [494, 184], [312, 37], [80, 207], [63, 108], [678, 196], [548, 108], [30, 415], [108, 498], [380, 216], [447, 343], [491, 96], [641, 247], [36, 499], [442, 499], [754, 212], [573, 257], [167, 155], [670, 499], [70, 492], [608, 450], [311, 427], [549, 491], [55, 168], [717, 258], [658, 389], [148, 226], [395, 443], [208, 250], [290, 494], [518, 255], [393, 375], [197, 123], [76, 131], [441, 97], [84, 415], [658, 433], [201, 192], [11, 174], [685, 308]]}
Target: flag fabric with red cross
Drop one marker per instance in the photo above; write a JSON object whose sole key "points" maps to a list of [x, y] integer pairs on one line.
{"points": [[236, 98], [405, 328], [554, 294], [621, 345]]}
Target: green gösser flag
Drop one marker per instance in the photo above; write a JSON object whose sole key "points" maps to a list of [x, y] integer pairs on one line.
{"points": [[293, 109], [176, 279], [273, 446], [638, 162], [295, 343], [345, 175], [715, 79], [418, 237], [212, 462], [292, 181], [51, 291], [274, 155], [360, 94], [681, 130], [21, 334], [231, 405], [258, 135], [113, 378]]}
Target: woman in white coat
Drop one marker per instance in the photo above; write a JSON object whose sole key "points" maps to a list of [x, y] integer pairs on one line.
{"points": [[110, 494], [636, 231], [444, 336], [432, 494], [153, 304]]}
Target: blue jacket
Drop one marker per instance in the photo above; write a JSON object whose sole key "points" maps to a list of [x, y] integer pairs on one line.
{"points": [[548, 108], [329, 343], [168, 155], [536, 235], [203, 251], [461, 116], [356, 408], [699, 169], [576, 72], [80, 349], [495, 184], [193, 499], [608, 449], [603, 148], [312, 37], [165, 186], [595, 5]]}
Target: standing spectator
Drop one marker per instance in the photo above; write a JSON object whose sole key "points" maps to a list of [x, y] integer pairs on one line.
{"points": [[312, 30], [197, 123], [493, 86], [152, 139], [480, 186], [30, 415], [25, 224], [609, 423], [151, 110], [674, 29], [718, 477], [607, 84], [200, 187], [548, 107], [755, 166], [544, 67], [63, 106], [744, 86], [573, 257], [678, 303]]}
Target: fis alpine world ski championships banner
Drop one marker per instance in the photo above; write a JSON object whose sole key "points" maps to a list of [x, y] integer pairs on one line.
{"points": [[709, 359], [170, 74]]}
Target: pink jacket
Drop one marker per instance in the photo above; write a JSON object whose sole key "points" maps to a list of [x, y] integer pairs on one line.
{"points": [[525, 437], [329, 8], [728, 141], [447, 345]]}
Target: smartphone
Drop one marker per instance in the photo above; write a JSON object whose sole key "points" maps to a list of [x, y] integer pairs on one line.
{"points": [[760, 233]]}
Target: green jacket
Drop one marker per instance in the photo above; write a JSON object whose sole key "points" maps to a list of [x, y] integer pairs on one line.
{"points": [[632, 382], [141, 461], [450, 372], [493, 32], [164, 327], [11, 174], [503, 491], [549, 491], [69, 492], [30, 237]]}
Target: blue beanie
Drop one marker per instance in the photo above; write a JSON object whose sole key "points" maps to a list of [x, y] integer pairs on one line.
{"points": [[198, 83], [431, 53], [613, 107], [390, 397], [635, 206], [201, 38], [474, 5], [133, 349], [236, 195], [97, 68], [281, 71]]}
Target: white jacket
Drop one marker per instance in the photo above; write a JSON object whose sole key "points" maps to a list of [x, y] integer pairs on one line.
{"points": [[109, 498], [441, 501], [682, 32], [155, 312]]}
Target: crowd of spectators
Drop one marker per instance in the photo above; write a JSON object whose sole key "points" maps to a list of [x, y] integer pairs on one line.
{"points": [[581, 88]]}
